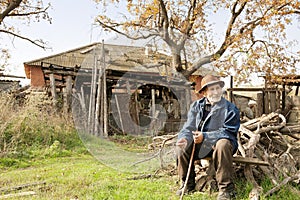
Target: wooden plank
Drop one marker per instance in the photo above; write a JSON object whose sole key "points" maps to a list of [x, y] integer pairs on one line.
{"points": [[260, 104], [153, 103], [83, 106], [251, 161], [273, 101], [99, 108], [91, 115], [53, 88], [60, 72], [246, 160], [266, 102], [105, 105], [68, 94], [119, 112]]}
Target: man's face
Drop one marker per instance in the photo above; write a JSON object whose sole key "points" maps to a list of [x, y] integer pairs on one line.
{"points": [[213, 93]]}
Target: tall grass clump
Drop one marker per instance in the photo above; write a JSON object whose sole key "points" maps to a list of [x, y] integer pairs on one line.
{"points": [[33, 128]]}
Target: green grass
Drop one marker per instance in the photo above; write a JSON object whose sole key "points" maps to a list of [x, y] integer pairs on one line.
{"points": [[84, 177], [40, 146]]}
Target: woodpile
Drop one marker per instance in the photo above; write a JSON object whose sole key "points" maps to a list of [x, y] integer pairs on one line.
{"points": [[269, 138], [268, 147]]}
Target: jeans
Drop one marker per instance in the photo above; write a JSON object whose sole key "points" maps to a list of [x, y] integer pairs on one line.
{"points": [[221, 161]]}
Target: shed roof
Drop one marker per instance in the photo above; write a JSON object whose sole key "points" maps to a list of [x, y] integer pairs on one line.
{"points": [[117, 57]]}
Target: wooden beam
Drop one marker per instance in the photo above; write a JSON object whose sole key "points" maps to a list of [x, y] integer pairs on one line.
{"points": [[260, 104], [250, 161], [120, 114], [105, 105], [68, 94], [153, 103], [246, 160], [53, 88]]}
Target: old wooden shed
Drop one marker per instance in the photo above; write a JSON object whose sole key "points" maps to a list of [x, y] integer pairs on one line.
{"points": [[115, 88]]}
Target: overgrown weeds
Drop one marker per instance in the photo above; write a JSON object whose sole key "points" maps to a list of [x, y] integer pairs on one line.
{"points": [[34, 129]]}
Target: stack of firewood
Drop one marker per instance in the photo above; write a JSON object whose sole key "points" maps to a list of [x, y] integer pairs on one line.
{"points": [[269, 138], [267, 146]]}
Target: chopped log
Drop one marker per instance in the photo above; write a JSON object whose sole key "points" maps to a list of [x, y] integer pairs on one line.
{"points": [[291, 130], [273, 127], [264, 119]]}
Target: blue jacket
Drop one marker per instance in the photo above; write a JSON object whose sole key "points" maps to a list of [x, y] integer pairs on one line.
{"points": [[223, 121]]}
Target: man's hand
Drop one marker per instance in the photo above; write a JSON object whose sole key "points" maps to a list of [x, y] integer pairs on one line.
{"points": [[198, 137], [182, 143]]}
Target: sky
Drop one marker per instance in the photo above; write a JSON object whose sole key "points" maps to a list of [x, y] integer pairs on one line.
{"points": [[72, 27]]}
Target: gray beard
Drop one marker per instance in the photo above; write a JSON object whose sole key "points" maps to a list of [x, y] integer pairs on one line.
{"points": [[214, 99]]}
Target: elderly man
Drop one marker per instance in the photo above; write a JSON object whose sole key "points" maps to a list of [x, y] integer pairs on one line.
{"points": [[212, 126]]}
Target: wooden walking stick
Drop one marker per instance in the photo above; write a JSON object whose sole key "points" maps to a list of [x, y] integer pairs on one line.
{"points": [[189, 171]]}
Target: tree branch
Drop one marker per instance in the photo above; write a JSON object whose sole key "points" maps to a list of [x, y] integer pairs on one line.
{"points": [[165, 25], [112, 28], [228, 37], [227, 40], [28, 13], [13, 4], [37, 43]]}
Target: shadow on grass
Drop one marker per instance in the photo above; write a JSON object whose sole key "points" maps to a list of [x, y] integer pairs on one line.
{"points": [[115, 156]]}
